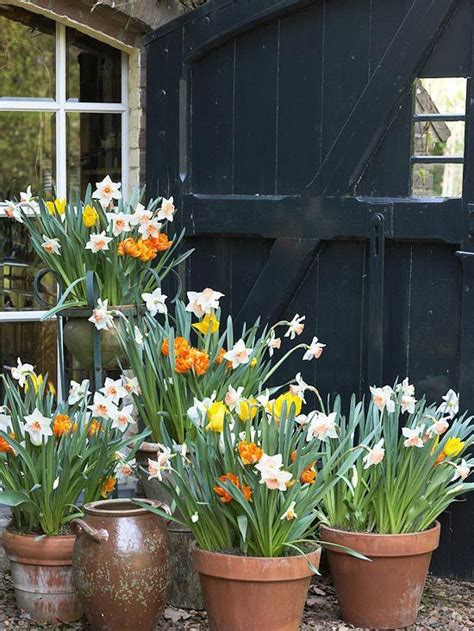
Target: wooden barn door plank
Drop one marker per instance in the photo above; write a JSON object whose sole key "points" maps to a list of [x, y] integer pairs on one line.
{"points": [[388, 85]]}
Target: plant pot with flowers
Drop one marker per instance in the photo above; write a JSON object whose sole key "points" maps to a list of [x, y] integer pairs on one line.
{"points": [[248, 490], [109, 255], [51, 454], [408, 472], [186, 367]]}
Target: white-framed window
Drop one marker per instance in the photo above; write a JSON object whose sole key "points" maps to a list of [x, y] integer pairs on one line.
{"points": [[63, 124]]}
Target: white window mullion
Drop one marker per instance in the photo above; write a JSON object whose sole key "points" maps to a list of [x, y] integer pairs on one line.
{"points": [[125, 129], [61, 140]]}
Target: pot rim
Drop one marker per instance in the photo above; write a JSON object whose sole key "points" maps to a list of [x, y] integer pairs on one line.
{"points": [[372, 544], [148, 447], [256, 569], [47, 550], [83, 312], [95, 508]]}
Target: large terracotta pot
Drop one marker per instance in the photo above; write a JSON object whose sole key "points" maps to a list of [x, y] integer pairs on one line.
{"points": [[79, 338], [246, 593], [121, 565], [386, 592], [185, 588], [42, 576]]}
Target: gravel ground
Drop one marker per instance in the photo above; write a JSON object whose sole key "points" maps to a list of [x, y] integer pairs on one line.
{"points": [[448, 605]]}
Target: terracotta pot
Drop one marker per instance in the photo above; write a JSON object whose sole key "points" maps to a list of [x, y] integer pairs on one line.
{"points": [[42, 576], [245, 593], [185, 588], [78, 339], [121, 565], [386, 593]]}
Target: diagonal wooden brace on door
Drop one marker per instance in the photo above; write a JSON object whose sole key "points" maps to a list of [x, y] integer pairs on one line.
{"points": [[370, 117], [279, 279]]}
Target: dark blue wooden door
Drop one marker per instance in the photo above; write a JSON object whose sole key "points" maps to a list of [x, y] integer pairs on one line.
{"points": [[289, 132]]}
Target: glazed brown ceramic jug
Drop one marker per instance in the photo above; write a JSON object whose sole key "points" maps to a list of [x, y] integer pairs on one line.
{"points": [[120, 565]]}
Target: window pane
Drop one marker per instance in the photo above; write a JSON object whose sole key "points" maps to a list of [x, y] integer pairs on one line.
{"points": [[28, 153], [446, 95], [94, 148], [33, 342], [437, 180], [27, 54], [438, 138], [93, 69]]}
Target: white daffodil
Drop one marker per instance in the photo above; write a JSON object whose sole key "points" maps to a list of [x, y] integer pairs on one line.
{"points": [[194, 516], [121, 419], [124, 469], [167, 209], [321, 426], [450, 405], [462, 471], [233, 397], [408, 403], [141, 216], [106, 191], [5, 420], [150, 229], [162, 463], [198, 412], [21, 371], [289, 514], [406, 388], [138, 335], [26, 196], [374, 455], [239, 354], [314, 351], [131, 384], [155, 302], [98, 242], [438, 427], [264, 398], [412, 436], [114, 390], [101, 317], [120, 223], [274, 343], [300, 387], [102, 406], [295, 327], [203, 302], [51, 246], [38, 427], [78, 391], [271, 474], [12, 211], [382, 398]]}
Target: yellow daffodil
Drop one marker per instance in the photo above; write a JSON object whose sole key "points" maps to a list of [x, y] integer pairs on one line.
{"points": [[290, 399], [208, 323], [247, 409], [89, 216], [36, 380], [453, 447], [253, 362], [215, 414], [57, 207]]}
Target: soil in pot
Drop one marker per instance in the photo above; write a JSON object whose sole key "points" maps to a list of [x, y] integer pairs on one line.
{"points": [[386, 592], [185, 588], [246, 593], [121, 568], [42, 576]]}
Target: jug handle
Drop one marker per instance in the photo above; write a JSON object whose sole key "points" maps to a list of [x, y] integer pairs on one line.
{"points": [[79, 526]]}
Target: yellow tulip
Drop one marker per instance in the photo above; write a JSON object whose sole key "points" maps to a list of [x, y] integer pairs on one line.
{"points": [[247, 409], [89, 216], [208, 323], [215, 414], [290, 399], [453, 447]]}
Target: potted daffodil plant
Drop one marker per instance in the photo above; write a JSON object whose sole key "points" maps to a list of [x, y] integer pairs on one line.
{"points": [[105, 253], [416, 463], [248, 490], [53, 456]]}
